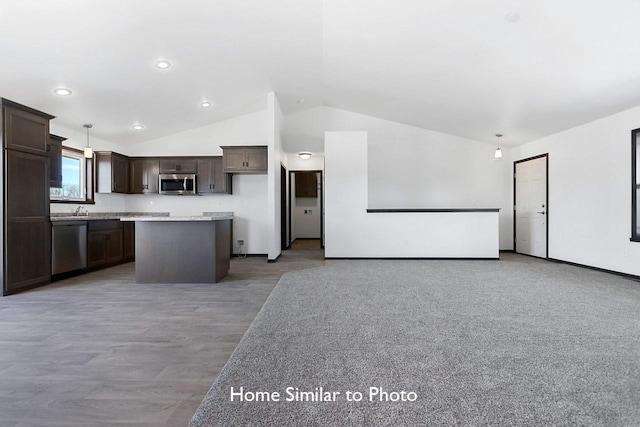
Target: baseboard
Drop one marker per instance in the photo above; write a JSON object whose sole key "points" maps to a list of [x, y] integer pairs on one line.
{"points": [[603, 270], [248, 255], [274, 260], [507, 251], [413, 258]]}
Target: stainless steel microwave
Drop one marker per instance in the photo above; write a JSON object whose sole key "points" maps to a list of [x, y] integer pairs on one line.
{"points": [[177, 183]]}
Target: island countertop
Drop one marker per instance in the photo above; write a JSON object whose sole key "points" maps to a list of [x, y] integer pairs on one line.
{"points": [[210, 217]]}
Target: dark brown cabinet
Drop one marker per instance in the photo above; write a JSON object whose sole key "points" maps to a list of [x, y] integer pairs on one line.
{"points": [[144, 176], [26, 231], [112, 172], [244, 159], [105, 243], [306, 184], [55, 161], [211, 177], [178, 165], [25, 129]]}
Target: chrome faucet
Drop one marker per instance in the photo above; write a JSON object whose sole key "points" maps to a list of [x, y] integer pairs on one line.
{"points": [[79, 212], [78, 209]]}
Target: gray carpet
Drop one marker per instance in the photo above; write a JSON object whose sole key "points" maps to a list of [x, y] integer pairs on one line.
{"points": [[513, 342]]}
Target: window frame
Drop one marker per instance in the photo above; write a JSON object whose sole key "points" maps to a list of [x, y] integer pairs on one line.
{"points": [[635, 184], [88, 177]]}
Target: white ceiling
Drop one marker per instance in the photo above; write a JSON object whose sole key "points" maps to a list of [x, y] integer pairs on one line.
{"points": [[452, 66]]}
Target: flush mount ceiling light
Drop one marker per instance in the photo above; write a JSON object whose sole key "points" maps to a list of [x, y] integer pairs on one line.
{"points": [[163, 64], [305, 155], [498, 154], [62, 91], [300, 101], [513, 17], [206, 104], [137, 127], [88, 151]]}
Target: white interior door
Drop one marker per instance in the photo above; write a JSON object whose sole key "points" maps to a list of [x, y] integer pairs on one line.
{"points": [[531, 207]]}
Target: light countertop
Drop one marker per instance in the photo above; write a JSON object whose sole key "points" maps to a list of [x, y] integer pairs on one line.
{"points": [[177, 218]]}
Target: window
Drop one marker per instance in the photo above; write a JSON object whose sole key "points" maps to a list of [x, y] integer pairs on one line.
{"points": [[76, 187], [635, 185]]}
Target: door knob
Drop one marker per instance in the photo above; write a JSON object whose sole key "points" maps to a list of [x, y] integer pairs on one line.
{"points": [[541, 212]]}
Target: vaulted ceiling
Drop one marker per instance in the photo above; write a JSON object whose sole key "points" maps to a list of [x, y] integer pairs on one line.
{"points": [[524, 68]]}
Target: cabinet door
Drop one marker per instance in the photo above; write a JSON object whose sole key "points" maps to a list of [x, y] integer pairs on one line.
{"points": [[96, 248], [256, 160], [136, 173], [221, 180], [150, 176], [129, 246], [55, 162], [120, 171], [204, 178], [114, 246], [168, 166], [28, 254], [26, 131], [187, 165], [233, 159]]}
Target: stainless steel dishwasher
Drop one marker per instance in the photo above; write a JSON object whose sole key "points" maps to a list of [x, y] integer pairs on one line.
{"points": [[68, 246]]}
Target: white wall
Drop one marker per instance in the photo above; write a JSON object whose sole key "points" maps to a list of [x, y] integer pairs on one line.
{"points": [[351, 232], [590, 192], [77, 138], [250, 192], [276, 158], [410, 167]]}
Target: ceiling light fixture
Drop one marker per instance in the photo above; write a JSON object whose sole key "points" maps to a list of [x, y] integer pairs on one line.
{"points": [[498, 154], [62, 91], [137, 127], [88, 151], [163, 64], [304, 155], [513, 17], [206, 104], [300, 101]]}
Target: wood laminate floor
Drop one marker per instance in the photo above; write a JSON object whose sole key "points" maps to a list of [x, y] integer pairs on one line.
{"points": [[99, 349]]}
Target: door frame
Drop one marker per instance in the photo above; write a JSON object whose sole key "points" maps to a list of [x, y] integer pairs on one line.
{"points": [[291, 172], [515, 218], [284, 243]]}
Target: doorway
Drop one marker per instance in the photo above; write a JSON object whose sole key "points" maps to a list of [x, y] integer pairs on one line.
{"points": [[531, 206], [306, 209], [284, 243]]}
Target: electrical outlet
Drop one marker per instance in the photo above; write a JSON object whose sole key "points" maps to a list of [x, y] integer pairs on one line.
{"points": [[240, 242]]}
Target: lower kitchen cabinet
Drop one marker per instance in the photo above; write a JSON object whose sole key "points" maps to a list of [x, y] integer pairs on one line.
{"points": [[105, 243]]}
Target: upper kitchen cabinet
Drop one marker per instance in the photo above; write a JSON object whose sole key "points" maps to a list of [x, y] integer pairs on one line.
{"points": [[211, 177], [25, 230], [144, 176], [244, 159], [112, 172], [25, 129], [55, 161], [178, 165]]}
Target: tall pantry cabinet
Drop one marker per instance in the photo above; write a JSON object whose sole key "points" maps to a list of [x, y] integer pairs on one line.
{"points": [[25, 226]]}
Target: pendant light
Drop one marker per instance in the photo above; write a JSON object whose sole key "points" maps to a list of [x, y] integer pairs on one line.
{"points": [[88, 152], [498, 154]]}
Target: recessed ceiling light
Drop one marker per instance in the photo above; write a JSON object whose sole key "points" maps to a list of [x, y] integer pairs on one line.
{"points": [[205, 104], [513, 17], [137, 127], [62, 91], [163, 64]]}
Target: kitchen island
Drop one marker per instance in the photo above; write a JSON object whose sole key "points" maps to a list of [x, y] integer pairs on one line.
{"points": [[182, 249]]}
